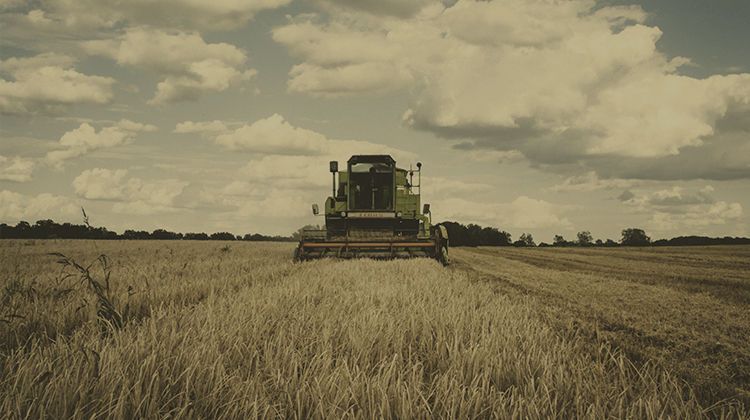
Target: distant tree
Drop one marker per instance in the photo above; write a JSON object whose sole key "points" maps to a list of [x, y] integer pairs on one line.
{"points": [[257, 237], [490, 236], [559, 241], [165, 234], [585, 238], [222, 236], [133, 234], [196, 236], [45, 229], [475, 234], [635, 237], [599, 242], [610, 243], [527, 239], [457, 233]]}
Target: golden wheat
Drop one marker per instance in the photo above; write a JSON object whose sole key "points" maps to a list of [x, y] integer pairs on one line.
{"points": [[244, 333]]}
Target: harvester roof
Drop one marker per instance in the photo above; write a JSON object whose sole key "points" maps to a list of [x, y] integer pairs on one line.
{"points": [[371, 159]]}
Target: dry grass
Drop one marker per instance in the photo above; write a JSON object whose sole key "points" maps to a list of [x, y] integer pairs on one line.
{"points": [[685, 308], [243, 333]]}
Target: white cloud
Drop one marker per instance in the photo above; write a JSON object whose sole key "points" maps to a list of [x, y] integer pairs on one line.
{"points": [[48, 85], [696, 218], [399, 8], [343, 61], [17, 169], [191, 67], [15, 206], [677, 199], [679, 209], [215, 126], [275, 204], [590, 182], [133, 195], [521, 213], [80, 16], [275, 136], [100, 184], [290, 172], [443, 188], [557, 83], [84, 139]]}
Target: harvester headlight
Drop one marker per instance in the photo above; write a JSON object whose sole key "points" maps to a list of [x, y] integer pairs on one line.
{"points": [[399, 214], [343, 214]]}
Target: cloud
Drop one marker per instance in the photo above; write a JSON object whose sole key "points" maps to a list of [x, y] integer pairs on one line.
{"points": [[626, 195], [289, 168], [275, 136], [191, 67], [571, 87], [590, 182], [341, 60], [132, 195], [48, 85], [277, 204], [521, 213], [215, 126], [677, 196], [17, 169], [679, 209], [442, 188], [100, 184], [15, 206], [398, 8], [84, 139], [68, 17]]}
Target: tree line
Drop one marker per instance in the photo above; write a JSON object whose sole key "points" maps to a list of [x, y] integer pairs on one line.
{"points": [[474, 235], [48, 229], [458, 234]]}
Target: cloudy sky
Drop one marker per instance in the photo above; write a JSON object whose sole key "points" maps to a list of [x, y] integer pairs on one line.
{"points": [[547, 117]]}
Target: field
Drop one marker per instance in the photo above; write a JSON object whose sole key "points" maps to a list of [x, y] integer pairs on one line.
{"points": [[190, 329]]}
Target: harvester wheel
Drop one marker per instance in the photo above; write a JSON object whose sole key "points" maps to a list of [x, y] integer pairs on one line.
{"points": [[444, 256]]}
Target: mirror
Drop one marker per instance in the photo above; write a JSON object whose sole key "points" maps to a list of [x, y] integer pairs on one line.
{"points": [[315, 209], [334, 166], [426, 209]]}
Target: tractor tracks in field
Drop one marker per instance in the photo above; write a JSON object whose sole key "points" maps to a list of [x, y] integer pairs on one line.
{"points": [[701, 338]]}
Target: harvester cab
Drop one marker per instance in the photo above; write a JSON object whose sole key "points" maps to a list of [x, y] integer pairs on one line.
{"points": [[374, 212]]}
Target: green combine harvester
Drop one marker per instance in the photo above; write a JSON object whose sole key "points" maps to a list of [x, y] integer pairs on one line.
{"points": [[374, 212]]}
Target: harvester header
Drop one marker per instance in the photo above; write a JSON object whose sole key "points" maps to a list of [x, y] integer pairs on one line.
{"points": [[374, 211]]}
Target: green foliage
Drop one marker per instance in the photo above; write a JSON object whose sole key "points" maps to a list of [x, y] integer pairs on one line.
{"points": [[635, 237], [559, 241], [525, 240], [475, 235], [585, 238], [223, 236]]}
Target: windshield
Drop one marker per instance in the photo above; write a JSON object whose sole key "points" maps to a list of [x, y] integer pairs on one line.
{"points": [[371, 186], [366, 167]]}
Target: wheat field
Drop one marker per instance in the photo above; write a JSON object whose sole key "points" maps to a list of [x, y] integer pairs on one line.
{"points": [[183, 329]]}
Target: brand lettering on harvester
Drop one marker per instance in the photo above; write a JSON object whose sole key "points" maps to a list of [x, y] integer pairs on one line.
{"points": [[372, 215]]}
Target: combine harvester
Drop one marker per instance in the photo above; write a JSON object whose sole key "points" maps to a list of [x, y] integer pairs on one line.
{"points": [[374, 213]]}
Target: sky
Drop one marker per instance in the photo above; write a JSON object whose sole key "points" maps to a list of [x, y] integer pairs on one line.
{"points": [[545, 117]]}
